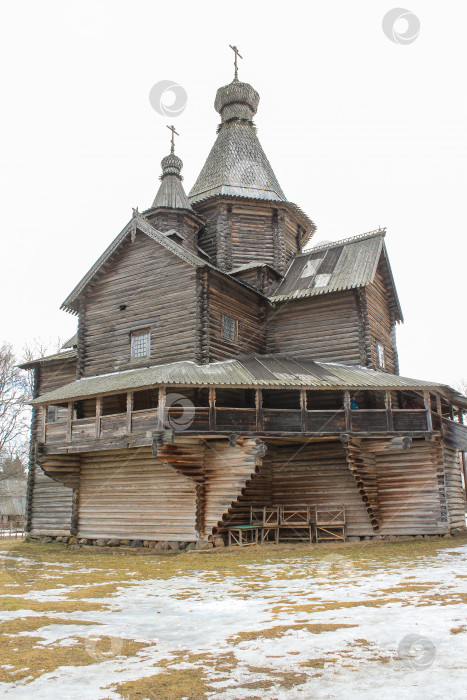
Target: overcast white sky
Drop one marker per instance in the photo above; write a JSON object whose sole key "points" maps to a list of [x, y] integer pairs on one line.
{"points": [[360, 131]]}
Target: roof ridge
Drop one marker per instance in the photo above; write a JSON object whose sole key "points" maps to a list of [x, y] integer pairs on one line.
{"points": [[351, 239]]}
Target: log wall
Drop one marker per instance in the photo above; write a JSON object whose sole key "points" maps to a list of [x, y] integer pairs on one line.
{"points": [[227, 297], [51, 506], [228, 471], [129, 494], [412, 490], [159, 291], [327, 328], [380, 326], [455, 494]]}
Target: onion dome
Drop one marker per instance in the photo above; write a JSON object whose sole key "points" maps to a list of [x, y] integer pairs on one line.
{"points": [[236, 101]]}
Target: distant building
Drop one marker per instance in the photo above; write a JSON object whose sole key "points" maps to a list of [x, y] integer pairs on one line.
{"points": [[12, 500], [219, 365]]}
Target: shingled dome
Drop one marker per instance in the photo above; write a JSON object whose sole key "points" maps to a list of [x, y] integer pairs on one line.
{"points": [[237, 164], [171, 193]]}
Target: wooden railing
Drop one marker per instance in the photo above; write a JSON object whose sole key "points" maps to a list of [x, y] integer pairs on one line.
{"points": [[238, 420]]}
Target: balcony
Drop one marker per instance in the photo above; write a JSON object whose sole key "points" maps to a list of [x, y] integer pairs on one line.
{"points": [[127, 427]]}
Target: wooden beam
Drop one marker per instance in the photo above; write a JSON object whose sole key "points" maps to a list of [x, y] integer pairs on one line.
{"points": [[69, 420], [259, 409], [129, 409], [98, 416], [212, 408], [427, 402]]}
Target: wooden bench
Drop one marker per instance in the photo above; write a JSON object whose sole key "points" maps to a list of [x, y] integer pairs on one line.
{"points": [[295, 524], [330, 524]]}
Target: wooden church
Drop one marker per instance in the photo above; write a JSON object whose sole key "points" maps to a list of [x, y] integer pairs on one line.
{"points": [[228, 380]]}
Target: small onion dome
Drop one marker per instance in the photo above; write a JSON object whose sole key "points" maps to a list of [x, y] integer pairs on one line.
{"points": [[171, 165], [236, 101]]}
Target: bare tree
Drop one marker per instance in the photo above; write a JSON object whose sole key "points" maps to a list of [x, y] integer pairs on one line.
{"points": [[13, 400]]}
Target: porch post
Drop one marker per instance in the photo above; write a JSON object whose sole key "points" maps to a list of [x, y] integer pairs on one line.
{"points": [[98, 416], [129, 409], [348, 415], [427, 402], [212, 408], [259, 410], [161, 408], [303, 408], [389, 413], [68, 421], [44, 410]]}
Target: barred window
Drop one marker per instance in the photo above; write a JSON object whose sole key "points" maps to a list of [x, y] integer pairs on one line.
{"points": [[380, 354], [229, 327], [140, 344], [52, 414]]}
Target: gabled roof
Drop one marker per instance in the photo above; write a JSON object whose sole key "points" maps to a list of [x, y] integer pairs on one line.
{"points": [[273, 371], [138, 222], [332, 267]]}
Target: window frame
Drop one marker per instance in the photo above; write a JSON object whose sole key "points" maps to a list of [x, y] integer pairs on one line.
{"points": [[224, 317], [133, 336]]}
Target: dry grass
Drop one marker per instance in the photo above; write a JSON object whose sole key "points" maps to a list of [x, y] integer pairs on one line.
{"points": [[85, 580]]}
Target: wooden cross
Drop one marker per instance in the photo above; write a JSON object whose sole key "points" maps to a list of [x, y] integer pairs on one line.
{"points": [[172, 143], [237, 54]]}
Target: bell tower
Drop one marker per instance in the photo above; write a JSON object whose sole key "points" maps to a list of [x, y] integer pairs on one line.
{"points": [[248, 217]]}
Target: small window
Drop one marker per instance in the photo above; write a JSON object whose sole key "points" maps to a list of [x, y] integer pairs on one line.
{"points": [[52, 414], [229, 327], [380, 354], [140, 344]]}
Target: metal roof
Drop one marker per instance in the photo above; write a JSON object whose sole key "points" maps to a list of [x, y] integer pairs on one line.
{"points": [[333, 267], [274, 371]]}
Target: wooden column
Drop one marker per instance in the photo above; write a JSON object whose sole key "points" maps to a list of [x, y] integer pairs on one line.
{"points": [[460, 416], [98, 416], [43, 423], [439, 409], [161, 409], [129, 409], [389, 414], [68, 421], [259, 410], [427, 402], [212, 408], [303, 409], [348, 413]]}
